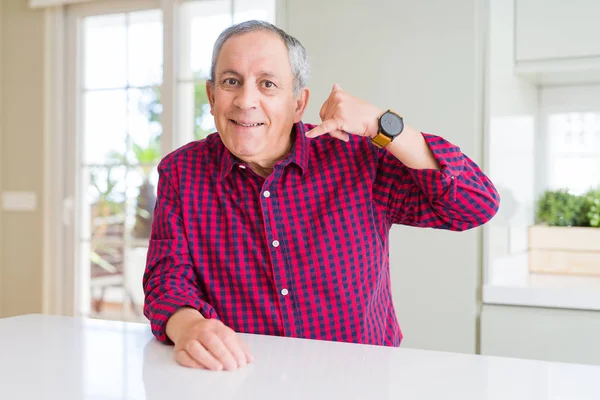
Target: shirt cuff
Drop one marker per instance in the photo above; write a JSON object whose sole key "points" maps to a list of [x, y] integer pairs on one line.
{"points": [[161, 310], [438, 184]]}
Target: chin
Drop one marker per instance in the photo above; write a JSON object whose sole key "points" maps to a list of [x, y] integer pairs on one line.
{"points": [[245, 153], [246, 149]]}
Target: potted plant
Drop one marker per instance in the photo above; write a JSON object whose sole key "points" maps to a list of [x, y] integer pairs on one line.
{"points": [[146, 157], [566, 236]]}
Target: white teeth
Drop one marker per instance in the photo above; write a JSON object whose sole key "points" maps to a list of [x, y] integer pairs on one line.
{"points": [[247, 125]]}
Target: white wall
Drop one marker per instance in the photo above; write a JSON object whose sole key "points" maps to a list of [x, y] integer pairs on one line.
{"points": [[422, 59], [510, 145]]}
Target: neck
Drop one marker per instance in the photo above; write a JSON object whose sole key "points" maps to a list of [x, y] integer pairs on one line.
{"points": [[265, 167], [261, 170]]}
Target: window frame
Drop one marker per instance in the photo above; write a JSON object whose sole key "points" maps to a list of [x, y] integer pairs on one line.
{"points": [[63, 127]]}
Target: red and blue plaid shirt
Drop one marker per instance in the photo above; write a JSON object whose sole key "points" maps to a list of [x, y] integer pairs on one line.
{"points": [[304, 252]]}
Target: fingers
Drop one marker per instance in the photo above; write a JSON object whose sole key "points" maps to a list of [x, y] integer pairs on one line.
{"points": [[332, 126], [327, 114], [210, 344], [330, 104], [232, 342], [219, 350], [202, 356], [324, 109], [236, 350], [246, 350], [183, 358], [340, 135]]}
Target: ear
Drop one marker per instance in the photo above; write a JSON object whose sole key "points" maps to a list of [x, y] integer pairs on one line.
{"points": [[210, 91], [301, 103]]}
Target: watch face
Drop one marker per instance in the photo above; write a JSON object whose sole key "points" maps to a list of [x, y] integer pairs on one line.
{"points": [[391, 124]]}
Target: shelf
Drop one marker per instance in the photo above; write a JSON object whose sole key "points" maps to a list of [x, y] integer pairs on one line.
{"points": [[509, 282]]}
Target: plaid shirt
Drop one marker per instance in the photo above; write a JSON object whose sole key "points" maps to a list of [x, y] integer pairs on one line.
{"points": [[304, 252]]}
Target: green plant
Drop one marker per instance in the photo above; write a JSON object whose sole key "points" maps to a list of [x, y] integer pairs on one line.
{"points": [[146, 157], [151, 105], [591, 207], [561, 208], [201, 109]]}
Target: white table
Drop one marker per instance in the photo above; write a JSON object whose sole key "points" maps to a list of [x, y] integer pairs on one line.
{"points": [[44, 357]]}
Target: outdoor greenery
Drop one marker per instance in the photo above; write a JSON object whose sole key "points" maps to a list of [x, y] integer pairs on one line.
{"points": [[109, 206], [153, 109]]}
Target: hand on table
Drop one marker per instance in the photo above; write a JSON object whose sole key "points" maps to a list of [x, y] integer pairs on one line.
{"points": [[207, 343]]}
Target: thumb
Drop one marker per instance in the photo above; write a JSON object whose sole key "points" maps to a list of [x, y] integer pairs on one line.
{"points": [[336, 87]]}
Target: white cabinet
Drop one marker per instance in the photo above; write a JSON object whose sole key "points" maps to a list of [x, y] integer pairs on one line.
{"points": [[557, 41], [557, 29], [542, 334]]}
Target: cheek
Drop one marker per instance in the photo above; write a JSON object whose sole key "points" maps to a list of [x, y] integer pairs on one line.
{"points": [[221, 104], [278, 111], [223, 101]]}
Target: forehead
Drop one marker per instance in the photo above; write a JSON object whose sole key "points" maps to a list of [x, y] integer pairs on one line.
{"points": [[259, 50]]}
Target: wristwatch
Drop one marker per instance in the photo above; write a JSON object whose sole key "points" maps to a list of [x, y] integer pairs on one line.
{"points": [[390, 126]]}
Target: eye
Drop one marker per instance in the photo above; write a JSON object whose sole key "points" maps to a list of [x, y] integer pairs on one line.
{"points": [[268, 84], [230, 81]]}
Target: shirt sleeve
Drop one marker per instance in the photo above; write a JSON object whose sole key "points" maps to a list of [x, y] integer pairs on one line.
{"points": [[170, 281], [457, 197]]}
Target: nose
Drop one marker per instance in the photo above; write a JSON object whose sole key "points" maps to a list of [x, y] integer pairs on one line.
{"points": [[247, 97]]}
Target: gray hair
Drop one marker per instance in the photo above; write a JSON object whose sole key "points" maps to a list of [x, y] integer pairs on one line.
{"points": [[296, 52]]}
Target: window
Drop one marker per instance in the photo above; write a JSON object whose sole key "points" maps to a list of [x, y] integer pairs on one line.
{"points": [[200, 24], [120, 98], [552, 143], [570, 138], [119, 94], [574, 150]]}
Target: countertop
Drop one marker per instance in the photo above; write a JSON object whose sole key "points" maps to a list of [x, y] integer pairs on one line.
{"points": [[51, 357]]}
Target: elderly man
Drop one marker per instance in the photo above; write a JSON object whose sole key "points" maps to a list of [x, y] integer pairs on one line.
{"points": [[276, 227]]}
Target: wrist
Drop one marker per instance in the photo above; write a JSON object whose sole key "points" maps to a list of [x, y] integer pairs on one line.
{"points": [[180, 321], [389, 126], [375, 130], [412, 150]]}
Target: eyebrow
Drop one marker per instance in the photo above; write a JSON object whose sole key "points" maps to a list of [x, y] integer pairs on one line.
{"points": [[229, 72], [262, 74]]}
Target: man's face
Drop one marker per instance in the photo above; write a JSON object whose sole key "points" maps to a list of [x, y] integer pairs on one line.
{"points": [[253, 99]]}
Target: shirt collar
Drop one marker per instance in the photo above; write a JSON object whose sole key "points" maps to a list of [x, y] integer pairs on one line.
{"points": [[228, 162], [298, 154]]}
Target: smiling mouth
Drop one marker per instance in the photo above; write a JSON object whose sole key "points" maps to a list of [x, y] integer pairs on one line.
{"points": [[247, 125]]}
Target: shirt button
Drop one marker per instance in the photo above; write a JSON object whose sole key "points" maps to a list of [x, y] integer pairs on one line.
{"points": [[284, 292], [242, 166], [275, 243], [267, 193]]}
